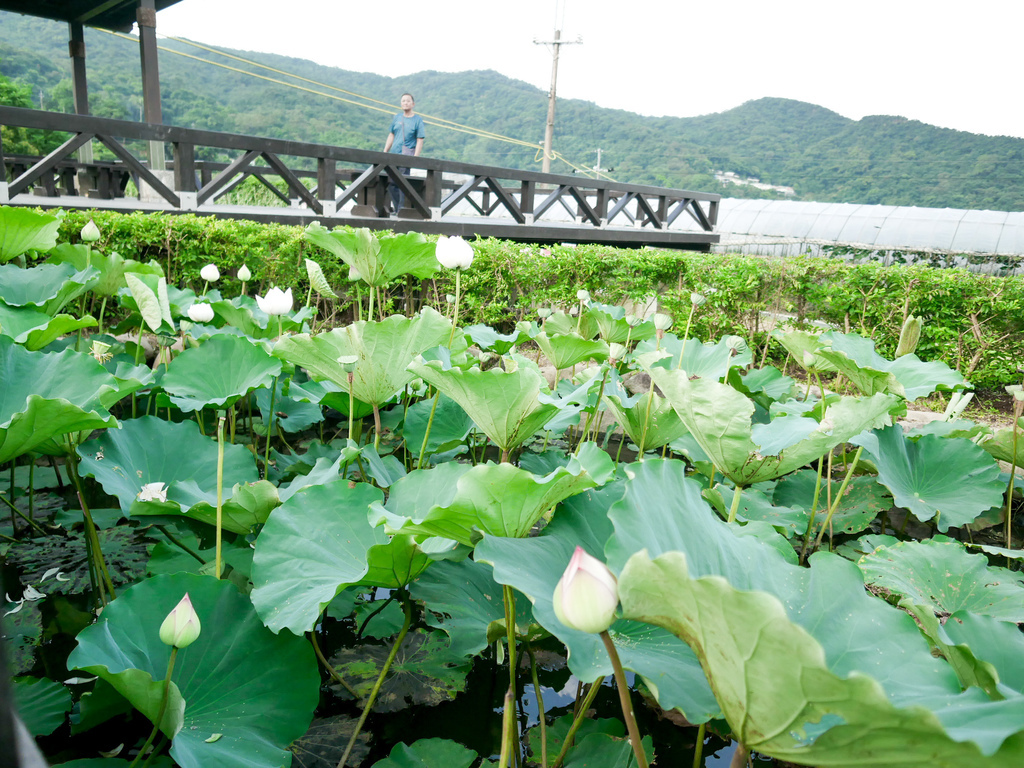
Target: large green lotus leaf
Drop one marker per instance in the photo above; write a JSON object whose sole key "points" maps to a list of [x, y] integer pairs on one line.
{"points": [[48, 286], [129, 377], [503, 500], [865, 498], [464, 601], [664, 425], [945, 577], [428, 753], [970, 669], [378, 260], [766, 385], [802, 343], [42, 704], [569, 349], [318, 543], [1000, 444], [505, 404], [218, 373], [999, 643], [151, 450], [948, 478], [662, 510], [534, 565], [111, 267], [486, 337], [237, 679], [290, 414], [149, 293], [247, 506], [706, 361], [907, 376], [22, 229], [757, 506], [719, 418], [785, 696], [46, 395], [384, 350], [34, 329], [449, 429]]}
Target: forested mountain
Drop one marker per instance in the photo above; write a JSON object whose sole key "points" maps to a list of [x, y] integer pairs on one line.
{"points": [[820, 154]]}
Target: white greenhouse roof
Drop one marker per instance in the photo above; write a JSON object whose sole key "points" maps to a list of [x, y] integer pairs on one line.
{"points": [[875, 227]]}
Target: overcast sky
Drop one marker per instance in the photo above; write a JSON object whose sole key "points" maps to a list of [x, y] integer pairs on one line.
{"points": [[950, 64]]}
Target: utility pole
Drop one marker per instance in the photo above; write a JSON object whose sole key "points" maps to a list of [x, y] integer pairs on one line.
{"points": [[549, 130]]}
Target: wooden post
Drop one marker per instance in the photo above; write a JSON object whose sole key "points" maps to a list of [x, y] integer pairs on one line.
{"points": [[80, 93], [151, 111]]}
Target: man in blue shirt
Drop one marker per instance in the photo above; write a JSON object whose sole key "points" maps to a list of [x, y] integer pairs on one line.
{"points": [[405, 137]]}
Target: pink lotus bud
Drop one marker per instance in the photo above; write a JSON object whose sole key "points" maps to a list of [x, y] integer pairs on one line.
{"points": [[181, 627], [587, 594]]}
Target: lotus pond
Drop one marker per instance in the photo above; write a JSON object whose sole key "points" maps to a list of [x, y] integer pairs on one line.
{"points": [[370, 521]]}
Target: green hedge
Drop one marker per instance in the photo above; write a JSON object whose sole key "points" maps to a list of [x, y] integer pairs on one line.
{"points": [[972, 322]]}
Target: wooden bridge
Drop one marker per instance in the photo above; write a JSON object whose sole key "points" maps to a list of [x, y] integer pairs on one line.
{"points": [[341, 185]]}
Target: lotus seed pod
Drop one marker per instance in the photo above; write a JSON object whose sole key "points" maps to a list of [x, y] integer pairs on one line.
{"points": [[697, 299], [583, 295], [662, 322], [348, 362], [909, 336], [808, 359], [616, 352], [544, 313]]}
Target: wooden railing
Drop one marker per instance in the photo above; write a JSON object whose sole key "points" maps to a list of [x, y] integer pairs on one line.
{"points": [[336, 183]]}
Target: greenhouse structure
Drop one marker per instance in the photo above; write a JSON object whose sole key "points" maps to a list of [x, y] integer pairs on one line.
{"points": [[987, 241]]}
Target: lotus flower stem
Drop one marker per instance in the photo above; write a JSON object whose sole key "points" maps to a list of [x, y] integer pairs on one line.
{"points": [[163, 708], [376, 427], [590, 416], [369, 309], [540, 707], [32, 486], [647, 421], [407, 605], [270, 422], [507, 722], [686, 335], [740, 758], [698, 748], [1013, 472], [430, 423], [180, 544], [103, 307], [579, 719], [839, 496], [624, 701], [814, 511], [220, 494], [331, 670], [29, 520], [455, 306], [510, 629], [737, 492], [91, 537], [351, 403]]}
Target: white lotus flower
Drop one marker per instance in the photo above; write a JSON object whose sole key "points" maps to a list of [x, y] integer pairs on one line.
{"points": [[276, 302], [200, 313], [244, 275], [210, 273], [583, 295], [153, 492], [454, 252]]}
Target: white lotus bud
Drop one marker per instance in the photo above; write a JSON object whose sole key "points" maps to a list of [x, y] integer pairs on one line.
{"points": [[181, 627], [587, 595], [200, 313], [244, 275], [90, 232], [210, 273]]}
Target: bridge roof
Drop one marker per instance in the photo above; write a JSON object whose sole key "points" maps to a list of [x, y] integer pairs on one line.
{"points": [[106, 14]]}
